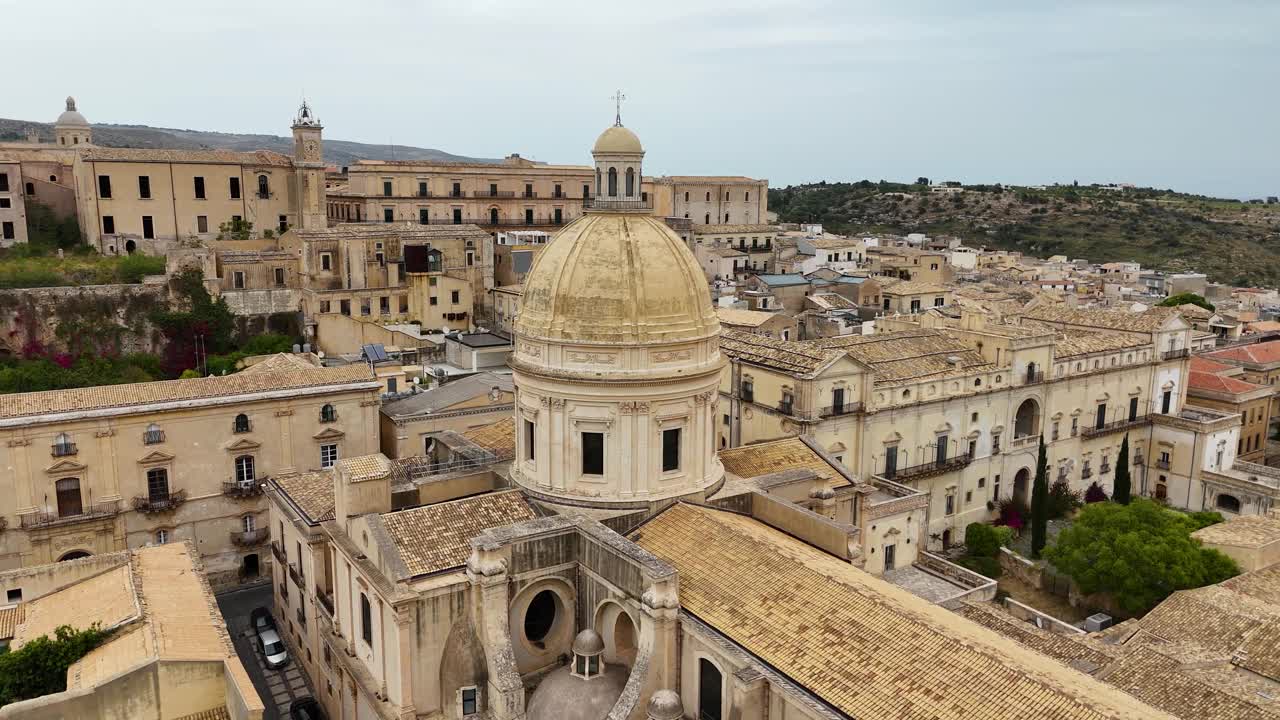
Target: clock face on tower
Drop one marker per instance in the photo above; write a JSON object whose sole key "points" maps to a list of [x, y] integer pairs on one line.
{"points": [[311, 150]]}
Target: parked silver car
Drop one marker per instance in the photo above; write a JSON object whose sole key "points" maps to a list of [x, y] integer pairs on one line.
{"points": [[272, 648]]}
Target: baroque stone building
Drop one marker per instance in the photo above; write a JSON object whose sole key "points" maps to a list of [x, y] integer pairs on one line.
{"points": [[594, 556]]}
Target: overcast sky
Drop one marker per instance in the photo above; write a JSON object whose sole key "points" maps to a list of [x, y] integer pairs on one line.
{"points": [[1170, 94]]}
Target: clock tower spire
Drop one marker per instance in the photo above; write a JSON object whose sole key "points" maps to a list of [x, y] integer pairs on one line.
{"points": [[308, 163]]}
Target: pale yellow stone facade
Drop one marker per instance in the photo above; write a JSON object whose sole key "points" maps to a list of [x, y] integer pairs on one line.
{"points": [[103, 469]]}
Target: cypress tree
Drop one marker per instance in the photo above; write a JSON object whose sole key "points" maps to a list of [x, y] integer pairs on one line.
{"points": [[1122, 487], [1040, 503]]}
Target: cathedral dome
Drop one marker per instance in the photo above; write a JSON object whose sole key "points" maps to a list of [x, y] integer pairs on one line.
{"points": [[616, 278], [617, 139], [565, 696], [70, 116]]}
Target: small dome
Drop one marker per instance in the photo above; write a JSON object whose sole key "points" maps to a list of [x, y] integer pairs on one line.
{"points": [[617, 139], [588, 643], [616, 278], [665, 705], [71, 116], [564, 696]]}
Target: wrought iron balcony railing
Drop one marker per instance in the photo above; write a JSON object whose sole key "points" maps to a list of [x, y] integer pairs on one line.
{"points": [[160, 502], [38, 519]]}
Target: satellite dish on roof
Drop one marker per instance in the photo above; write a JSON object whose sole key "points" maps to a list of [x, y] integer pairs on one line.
{"points": [[444, 329]]}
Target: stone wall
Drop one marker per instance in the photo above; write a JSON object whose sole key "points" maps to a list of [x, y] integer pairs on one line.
{"points": [[1021, 568], [91, 317]]}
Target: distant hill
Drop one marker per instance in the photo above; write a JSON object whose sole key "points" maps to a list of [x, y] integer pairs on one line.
{"points": [[336, 152], [1233, 242]]}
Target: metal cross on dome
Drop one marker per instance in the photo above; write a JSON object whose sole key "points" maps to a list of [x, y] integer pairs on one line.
{"points": [[617, 99]]}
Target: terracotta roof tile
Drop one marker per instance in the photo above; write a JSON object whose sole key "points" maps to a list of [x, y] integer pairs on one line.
{"points": [[1258, 353], [10, 618], [795, 358], [253, 380], [744, 318], [434, 538], [1242, 531], [869, 649], [1210, 382], [312, 492], [749, 461], [1149, 320], [498, 438]]}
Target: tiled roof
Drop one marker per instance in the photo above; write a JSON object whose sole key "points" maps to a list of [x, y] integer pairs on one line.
{"points": [[909, 355], [222, 157], [725, 252], [1212, 618], [832, 243], [1200, 363], [749, 461], [1067, 649], [747, 318], [10, 618], [1261, 584], [181, 620], [795, 358], [1158, 680], [1210, 382], [1149, 320], [365, 467], [1073, 343], [1257, 353], [1194, 311], [215, 714], [406, 231], [312, 492], [434, 538], [699, 229], [699, 179], [498, 438], [254, 380], [916, 287], [867, 648], [832, 301], [108, 599], [1242, 531]]}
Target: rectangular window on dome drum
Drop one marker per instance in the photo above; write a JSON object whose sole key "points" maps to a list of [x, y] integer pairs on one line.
{"points": [[671, 450], [592, 453]]}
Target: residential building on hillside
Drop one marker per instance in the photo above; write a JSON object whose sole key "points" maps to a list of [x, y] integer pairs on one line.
{"points": [[167, 654], [752, 244], [769, 324], [102, 469], [506, 305], [955, 408], [46, 171], [1260, 363], [1217, 385], [13, 206], [912, 296]]}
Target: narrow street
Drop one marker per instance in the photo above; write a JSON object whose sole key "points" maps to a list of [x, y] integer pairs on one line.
{"points": [[277, 688]]}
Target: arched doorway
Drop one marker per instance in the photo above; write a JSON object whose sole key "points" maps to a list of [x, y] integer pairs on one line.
{"points": [[1027, 420], [249, 565], [624, 639], [1020, 483], [493, 216], [946, 538], [75, 555], [540, 617], [710, 704], [1230, 503], [130, 246]]}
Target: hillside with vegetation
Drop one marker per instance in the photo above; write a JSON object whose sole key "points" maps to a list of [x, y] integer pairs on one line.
{"points": [[336, 152], [1233, 242]]}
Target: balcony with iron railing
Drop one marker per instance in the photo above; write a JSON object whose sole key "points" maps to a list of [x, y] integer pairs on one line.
{"points": [[278, 552], [786, 407], [302, 616], [64, 449], [929, 469], [152, 437], [242, 488], [1024, 441], [616, 204], [1086, 473], [95, 511], [493, 194], [325, 600], [842, 409], [248, 538], [1033, 377], [1162, 464], [1104, 468], [1174, 354], [159, 502], [1115, 426], [295, 574]]}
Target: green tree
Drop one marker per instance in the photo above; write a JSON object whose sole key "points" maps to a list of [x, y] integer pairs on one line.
{"points": [[1120, 493], [236, 229], [1187, 299], [1138, 553], [40, 666], [1040, 503]]}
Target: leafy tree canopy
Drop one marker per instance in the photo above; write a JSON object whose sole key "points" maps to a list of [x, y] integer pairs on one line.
{"points": [[1138, 553], [40, 666], [1187, 299]]}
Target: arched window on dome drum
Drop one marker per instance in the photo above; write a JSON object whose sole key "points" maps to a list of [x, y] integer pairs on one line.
{"points": [[631, 182], [584, 190], [613, 182]]}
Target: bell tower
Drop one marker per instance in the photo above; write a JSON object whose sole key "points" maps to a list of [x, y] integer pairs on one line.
{"points": [[308, 163]]}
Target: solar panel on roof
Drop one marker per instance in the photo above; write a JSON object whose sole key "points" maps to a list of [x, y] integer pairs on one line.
{"points": [[374, 352]]}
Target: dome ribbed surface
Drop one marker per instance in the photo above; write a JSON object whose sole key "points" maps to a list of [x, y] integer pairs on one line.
{"points": [[617, 139], [616, 278]]}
